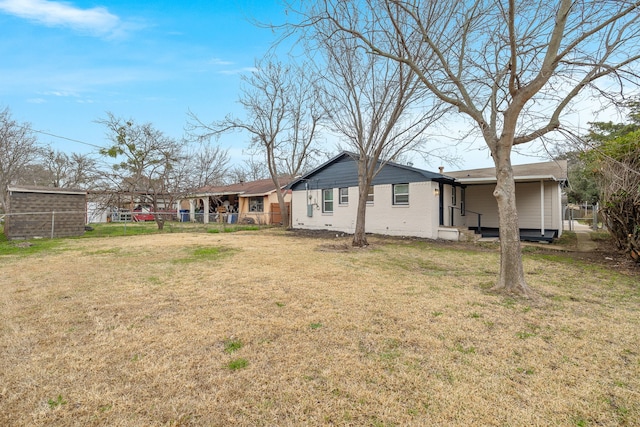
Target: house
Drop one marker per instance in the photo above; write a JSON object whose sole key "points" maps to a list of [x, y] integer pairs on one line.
{"points": [[254, 202], [403, 201], [407, 201], [45, 212]]}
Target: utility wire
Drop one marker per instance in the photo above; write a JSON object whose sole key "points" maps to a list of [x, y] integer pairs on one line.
{"points": [[68, 139]]}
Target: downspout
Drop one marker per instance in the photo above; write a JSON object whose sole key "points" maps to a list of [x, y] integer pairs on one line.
{"points": [[441, 203]]}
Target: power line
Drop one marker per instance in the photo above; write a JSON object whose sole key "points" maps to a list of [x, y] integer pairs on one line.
{"points": [[68, 139]]}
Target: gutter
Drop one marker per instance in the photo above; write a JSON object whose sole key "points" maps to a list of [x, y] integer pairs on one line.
{"points": [[531, 178]]}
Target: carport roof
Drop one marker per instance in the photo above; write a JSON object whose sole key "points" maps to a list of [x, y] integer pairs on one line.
{"points": [[547, 171]]}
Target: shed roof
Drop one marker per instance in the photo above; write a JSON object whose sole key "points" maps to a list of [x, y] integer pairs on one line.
{"points": [[261, 187], [548, 171], [36, 189]]}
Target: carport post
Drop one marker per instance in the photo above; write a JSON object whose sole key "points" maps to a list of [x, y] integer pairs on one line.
{"points": [[205, 213], [192, 210], [542, 207]]}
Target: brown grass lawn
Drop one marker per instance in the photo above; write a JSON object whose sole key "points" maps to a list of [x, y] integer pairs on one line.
{"points": [[267, 328]]}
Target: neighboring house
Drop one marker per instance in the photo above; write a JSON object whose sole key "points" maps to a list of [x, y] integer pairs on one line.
{"points": [[45, 212], [127, 206], [96, 213], [254, 202], [403, 201], [406, 201]]}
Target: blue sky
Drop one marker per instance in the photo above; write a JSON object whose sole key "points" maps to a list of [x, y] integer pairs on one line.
{"points": [[65, 64]]}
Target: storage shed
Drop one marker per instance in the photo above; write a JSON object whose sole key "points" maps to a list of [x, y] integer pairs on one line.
{"points": [[45, 212]]}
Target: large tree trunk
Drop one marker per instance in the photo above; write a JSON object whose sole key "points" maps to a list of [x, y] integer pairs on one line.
{"points": [[365, 178], [511, 277], [359, 236], [273, 171], [157, 216], [284, 213]]}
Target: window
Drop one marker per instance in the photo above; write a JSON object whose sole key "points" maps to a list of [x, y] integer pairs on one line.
{"points": [[256, 204], [453, 196], [401, 194], [370, 194], [343, 198], [327, 200]]}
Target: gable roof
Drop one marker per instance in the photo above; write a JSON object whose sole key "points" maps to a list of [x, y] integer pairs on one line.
{"points": [[261, 187], [546, 171], [342, 171]]}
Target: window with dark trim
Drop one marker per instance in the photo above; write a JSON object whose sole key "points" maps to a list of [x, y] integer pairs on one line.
{"points": [[327, 200], [400, 194], [453, 195], [343, 196]]}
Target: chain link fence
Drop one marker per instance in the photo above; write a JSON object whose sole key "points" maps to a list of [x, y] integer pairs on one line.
{"points": [[23, 225]]}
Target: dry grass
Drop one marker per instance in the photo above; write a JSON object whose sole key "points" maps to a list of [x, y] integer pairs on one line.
{"points": [[266, 328]]}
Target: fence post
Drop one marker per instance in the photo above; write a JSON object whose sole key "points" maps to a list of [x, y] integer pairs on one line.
{"points": [[53, 222]]}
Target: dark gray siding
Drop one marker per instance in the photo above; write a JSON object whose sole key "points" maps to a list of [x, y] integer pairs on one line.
{"points": [[31, 215], [342, 171]]}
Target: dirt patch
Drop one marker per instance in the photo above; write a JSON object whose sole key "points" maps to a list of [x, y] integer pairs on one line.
{"points": [[335, 247], [23, 244]]}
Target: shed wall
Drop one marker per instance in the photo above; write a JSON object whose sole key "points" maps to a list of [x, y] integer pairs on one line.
{"points": [[31, 215]]}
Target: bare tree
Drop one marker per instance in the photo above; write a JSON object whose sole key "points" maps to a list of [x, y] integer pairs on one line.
{"points": [[69, 171], [206, 165], [34, 173], [378, 107], [512, 67], [282, 117], [18, 148], [147, 169], [252, 169]]}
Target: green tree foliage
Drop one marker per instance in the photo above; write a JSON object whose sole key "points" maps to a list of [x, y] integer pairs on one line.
{"points": [[582, 182], [147, 164], [614, 159]]}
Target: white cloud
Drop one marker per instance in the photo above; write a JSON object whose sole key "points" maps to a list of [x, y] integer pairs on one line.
{"points": [[61, 93], [96, 21], [218, 61], [238, 71]]}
